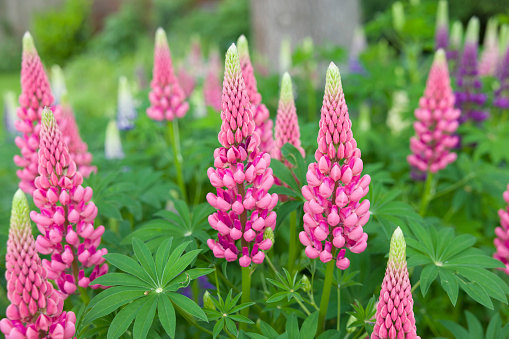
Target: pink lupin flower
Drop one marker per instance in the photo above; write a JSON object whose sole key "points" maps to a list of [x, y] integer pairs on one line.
{"points": [[287, 123], [489, 58], [436, 121], [260, 112], [35, 95], [166, 97], [212, 82], [66, 220], [36, 307], [394, 312], [242, 177], [502, 240], [78, 149], [333, 213]]}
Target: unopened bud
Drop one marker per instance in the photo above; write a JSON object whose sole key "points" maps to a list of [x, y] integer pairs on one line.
{"points": [[269, 234], [306, 284]]}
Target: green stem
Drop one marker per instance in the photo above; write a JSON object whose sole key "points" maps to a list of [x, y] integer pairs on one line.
{"points": [[270, 264], [453, 187], [292, 249], [324, 303], [246, 294], [190, 319], [415, 286], [173, 131], [426, 196], [217, 281], [303, 307], [339, 308]]}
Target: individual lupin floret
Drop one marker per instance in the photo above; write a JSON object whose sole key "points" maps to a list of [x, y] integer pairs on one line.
{"points": [[436, 121], [469, 98], [442, 26], [242, 177], [502, 240], [261, 114], [66, 218], [212, 82], [78, 149], [394, 312], [166, 97], [333, 213], [287, 123], [35, 95], [489, 57], [36, 308]]}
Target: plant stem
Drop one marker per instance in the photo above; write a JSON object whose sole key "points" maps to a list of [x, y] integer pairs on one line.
{"points": [[217, 281], [324, 303], [190, 319], [415, 286], [452, 187], [292, 249], [426, 196], [173, 131], [246, 294], [270, 264], [303, 307], [339, 308]]}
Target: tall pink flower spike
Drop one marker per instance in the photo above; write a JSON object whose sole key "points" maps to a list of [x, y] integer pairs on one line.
{"points": [[36, 308], [212, 82], [166, 97], [260, 112], [287, 123], [490, 55], [502, 232], [66, 221], [242, 177], [333, 213], [436, 121], [394, 312], [35, 95], [78, 149]]}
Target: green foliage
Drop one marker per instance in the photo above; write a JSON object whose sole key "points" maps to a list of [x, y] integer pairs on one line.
{"points": [[457, 263], [144, 287], [364, 318], [289, 286], [61, 34], [496, 329], [225, 315]]}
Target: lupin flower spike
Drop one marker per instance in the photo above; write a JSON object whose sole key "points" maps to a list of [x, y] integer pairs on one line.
{"points": [[436, 121], [442, 26], [35, 95], [489, 57], [58, 86], [260, 112], [469, 98], [287, 124], [36, 308], [333, 213], [212, 82], [455, 44], [502, 240], [113, 143], [78, 149], [394, 312], [502, 93], [126, 107], [166, 97], [66, 220], [242, 177]]}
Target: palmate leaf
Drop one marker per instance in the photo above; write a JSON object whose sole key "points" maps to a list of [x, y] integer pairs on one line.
{"points": [[475, 330], [142, 299], [457, 263]]}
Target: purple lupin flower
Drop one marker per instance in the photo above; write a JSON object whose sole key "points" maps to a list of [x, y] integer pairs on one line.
{"points": [[469, 98], [442, 26]]}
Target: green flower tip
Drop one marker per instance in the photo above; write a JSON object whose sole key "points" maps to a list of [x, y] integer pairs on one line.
{"points": [[232, 62], [440, 57], [286, 88], [398, 15], [48, 119], [456, 34], [268, 234], [472, 34], [20, 213], [161, 37], [243, 46], [28, 43], [443, 14], [333, 78], [397, 252]]}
